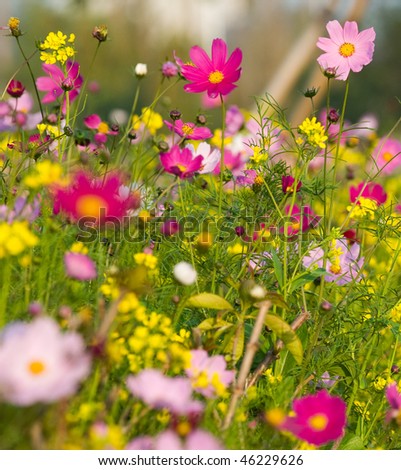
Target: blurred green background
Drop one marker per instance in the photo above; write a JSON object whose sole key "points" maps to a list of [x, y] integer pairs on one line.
{"points": [[268, 32]]}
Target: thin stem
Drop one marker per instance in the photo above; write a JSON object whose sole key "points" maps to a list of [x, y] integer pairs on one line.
{"points": [[31, 74]]}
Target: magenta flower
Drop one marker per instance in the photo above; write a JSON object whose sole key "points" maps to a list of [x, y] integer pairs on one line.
{"points": [[216, 75], [387, 155], [169, 69], [346, 49], [102, 129], [189, 130], [394, 399], [79, 266], [159, 391], [233, 162], [373, 191], [208, 374], [95, 198], [318, 419], [39, 363], [343, 264], [57, 83], [15, 88], [181, 162], [287, 184], [301, 219]]}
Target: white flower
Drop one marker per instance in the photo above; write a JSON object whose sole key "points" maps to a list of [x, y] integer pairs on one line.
{"points": [[257, 292], [141, 70], [185, 273], [210, 157]]}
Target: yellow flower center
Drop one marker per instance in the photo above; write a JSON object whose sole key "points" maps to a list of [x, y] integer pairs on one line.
{"points": [[90, 205], [13, 23], [387, 156], [296, 226], [182, 168], [36, 367], [318, 422], [103, 128], [187, 129], [183, 428], [335, 268], [347, 49], [216, 77]]}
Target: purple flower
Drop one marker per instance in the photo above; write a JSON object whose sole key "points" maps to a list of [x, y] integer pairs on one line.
{"points": [[394, 399], [343, 262], [169, 69]]}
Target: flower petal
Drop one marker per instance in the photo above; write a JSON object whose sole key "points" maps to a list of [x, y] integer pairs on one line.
{"points": [[201, 59], [219, 53], [350, 31], [336, 32]]}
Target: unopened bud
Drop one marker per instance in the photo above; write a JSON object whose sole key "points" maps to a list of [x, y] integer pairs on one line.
{"points": [[100, 33], [333, 116], [175, 114], [141, 70], [311, 92]]}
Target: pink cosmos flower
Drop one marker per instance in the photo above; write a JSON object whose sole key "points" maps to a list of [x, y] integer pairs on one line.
{"points": [[211, 158], [318, 419], [15, 88], [370, 190], [79, 266], [394, 399], [197, 439], [300, 219], [233, 162], [95, 198], [387, 155], [189, 130], [57, 82], [208, 374], [94, 122], [346, 49], [343, 264], [216, 75], [39, 363], [159, 391], [247, 178], [181, 162]]}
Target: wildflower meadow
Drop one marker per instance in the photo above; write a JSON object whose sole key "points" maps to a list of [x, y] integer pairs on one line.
{"points": [[175, 282]]}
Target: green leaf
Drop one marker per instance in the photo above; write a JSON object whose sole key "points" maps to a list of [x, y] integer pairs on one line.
{"points": [[207, 300], [284, 331], [213, 324], [351, 442], [277, 299], [306, 277], [235, 347], [278, 269]]}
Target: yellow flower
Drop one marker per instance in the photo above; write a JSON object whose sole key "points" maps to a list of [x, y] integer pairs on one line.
{"points": [[237, 249], [364, 210], [314, 132], [55, 47], [13, 24], [45, 173], [150, 119], [146, 259], [259, 154], [15, 238]]}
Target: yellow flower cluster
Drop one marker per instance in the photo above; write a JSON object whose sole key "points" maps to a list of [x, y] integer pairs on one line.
{"points": [[56, 47], [237, 249], [45, 173], [15, 238], [149, 119], [364, 210], [380, 383], [395, 313], [314, 132], [362, 408], [259, 154], [271, 378], [148, 260]]}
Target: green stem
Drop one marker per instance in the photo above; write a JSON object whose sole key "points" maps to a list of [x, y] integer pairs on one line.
{"points": [[31, 74], [5, 290]]}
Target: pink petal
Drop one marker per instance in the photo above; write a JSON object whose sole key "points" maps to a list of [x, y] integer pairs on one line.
{"points": [[53, 71], [234, 60], [350, 31], [92, 121], [201, 59], [45, 84], [226, 88], [367, 35], [196, 87], [336, 32], [219, 53], [327, 45]]}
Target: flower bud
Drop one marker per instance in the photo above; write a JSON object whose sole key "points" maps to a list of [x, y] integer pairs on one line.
{"points": [[169, 69], [251, 292], [333, 116], [100, 33], [201, 119], [15, 88], [175, 114], [141, 70], [67, 84], [311, 92], [330, 72], [13, 24]]}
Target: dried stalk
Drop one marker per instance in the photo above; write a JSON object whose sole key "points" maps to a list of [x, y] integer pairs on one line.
{"points": [[273, 353], [246, 365]]}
